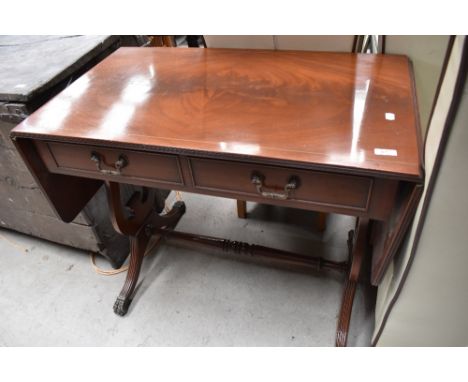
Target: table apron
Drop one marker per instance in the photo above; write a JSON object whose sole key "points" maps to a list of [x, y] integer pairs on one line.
{"points": [[323, 191]]}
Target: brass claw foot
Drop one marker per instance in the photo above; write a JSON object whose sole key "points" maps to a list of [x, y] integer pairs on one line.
{"points": [[121, 306]]}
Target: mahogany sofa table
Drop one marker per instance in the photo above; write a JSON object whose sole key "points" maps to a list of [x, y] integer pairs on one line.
{"points": [[329, 132]]}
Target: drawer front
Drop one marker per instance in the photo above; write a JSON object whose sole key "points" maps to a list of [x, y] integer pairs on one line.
{"points": [[113, 164], [267, 182]]}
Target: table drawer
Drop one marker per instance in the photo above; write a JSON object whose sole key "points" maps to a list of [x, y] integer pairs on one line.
{"points": [[113, 164], [279, 183]]}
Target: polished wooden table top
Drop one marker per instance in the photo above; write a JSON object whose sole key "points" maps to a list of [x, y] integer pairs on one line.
{"points": [[332, 110]]}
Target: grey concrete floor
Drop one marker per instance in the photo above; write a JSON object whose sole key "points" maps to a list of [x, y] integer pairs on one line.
{"points": [[51, 296]]}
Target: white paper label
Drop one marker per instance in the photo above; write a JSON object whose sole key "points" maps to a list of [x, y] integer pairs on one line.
{"points": [[387, 152], [389, 116]]}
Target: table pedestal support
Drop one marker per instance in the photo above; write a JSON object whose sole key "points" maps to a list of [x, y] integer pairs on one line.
{"points": [[139, 220]]}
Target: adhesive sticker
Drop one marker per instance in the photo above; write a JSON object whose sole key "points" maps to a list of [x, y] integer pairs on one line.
{"points": [[390, 116], [386, 152]]}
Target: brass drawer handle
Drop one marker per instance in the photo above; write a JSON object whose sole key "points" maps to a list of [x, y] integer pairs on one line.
{"points": [[118, 165], [258, 180]]}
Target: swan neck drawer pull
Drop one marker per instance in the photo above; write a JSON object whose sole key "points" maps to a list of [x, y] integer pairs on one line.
{"points": [[118, 165], [258, 179]]}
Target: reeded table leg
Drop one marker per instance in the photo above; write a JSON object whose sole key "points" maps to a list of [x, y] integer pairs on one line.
{"points": [[138, 246], [357, 252]]}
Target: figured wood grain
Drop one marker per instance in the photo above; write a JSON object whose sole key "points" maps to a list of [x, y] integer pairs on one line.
{"points": [[319, 109]]}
